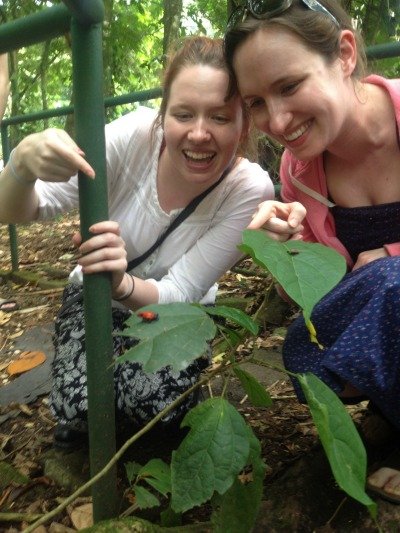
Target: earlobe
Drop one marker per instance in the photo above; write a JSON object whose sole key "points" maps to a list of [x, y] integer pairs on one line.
{"points": [[348, 52]]}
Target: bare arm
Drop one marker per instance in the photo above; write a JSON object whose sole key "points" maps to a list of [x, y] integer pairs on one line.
{"points": [[4, 84], [51, 155], [18, 201]]}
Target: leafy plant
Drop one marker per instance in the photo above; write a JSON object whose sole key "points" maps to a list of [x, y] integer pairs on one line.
{"points": [[219, 461], [219, 447]]}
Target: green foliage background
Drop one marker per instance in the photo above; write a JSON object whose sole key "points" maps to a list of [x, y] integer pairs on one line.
{"points": [[137, 35]]}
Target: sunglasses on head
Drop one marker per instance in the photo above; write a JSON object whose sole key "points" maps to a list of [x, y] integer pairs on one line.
{"points": [[265, 9]]}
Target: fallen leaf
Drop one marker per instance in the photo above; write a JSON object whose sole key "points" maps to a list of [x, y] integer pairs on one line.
{"points": [[25, 409], [17, 334], [245, 477], [26, 361], [32, 309], [4, 317], [82, 516]]}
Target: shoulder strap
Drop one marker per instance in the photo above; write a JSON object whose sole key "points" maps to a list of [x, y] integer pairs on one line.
{"points": [[176, 222]]}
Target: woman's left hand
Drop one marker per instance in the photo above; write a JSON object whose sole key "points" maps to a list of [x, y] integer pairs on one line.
{"points": [[370, 255], [104, 252], [281, 221]]}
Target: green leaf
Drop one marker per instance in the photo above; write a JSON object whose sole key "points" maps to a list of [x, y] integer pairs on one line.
{"points": [[257, 394], [144, 498], [132, 470], [235, 315], [211, 455], [237, 509], [176, 338], [339, 437], [307, 271], [157, 474]]}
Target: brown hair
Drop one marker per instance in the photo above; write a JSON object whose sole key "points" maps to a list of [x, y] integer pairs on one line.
{"points": [[199, 50], [318, 32]]}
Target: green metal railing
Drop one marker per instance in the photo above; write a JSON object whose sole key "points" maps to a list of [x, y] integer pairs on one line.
{"points": [[383, 51], [84, 19]]}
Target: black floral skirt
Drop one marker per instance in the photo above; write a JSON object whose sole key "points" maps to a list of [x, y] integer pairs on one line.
{"points": [[139, 396]]}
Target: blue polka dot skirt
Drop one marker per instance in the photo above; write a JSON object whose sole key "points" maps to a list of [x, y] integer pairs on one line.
{"points": [[358, 324]]}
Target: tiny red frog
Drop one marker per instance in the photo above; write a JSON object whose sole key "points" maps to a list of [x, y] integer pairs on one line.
{"points": [[148, 316]]}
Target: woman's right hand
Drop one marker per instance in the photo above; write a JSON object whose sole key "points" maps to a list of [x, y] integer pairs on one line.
{"points": [[104, 251], [281, 221], [51, 155]]}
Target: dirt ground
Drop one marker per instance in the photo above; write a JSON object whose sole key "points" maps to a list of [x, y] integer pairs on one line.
{"points": [[286, 431]]}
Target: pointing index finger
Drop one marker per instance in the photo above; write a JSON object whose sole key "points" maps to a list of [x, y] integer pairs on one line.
{"points": [[75, 157]]}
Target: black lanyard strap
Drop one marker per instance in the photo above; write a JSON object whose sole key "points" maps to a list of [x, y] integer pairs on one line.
{"points": [[176, 222]]}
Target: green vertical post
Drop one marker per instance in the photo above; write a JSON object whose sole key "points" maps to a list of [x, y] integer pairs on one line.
{"points": [[13, 236], [89, 124], [12, 230]]}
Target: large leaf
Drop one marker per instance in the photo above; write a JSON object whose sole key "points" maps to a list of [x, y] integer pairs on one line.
{"points": [[339, 437], [307, 271], [257, 394], [237, 509], [176, 338], [211, 456]]}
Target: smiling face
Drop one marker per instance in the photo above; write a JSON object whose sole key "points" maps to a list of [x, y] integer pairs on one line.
{"points": [[201, 130], [294, 95]]}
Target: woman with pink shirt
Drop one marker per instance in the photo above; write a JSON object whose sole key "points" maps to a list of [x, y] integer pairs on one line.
{"points": [[300, 68]]}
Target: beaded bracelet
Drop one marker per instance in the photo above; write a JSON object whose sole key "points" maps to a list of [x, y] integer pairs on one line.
{"points": [[16, 176], [129, 293]]}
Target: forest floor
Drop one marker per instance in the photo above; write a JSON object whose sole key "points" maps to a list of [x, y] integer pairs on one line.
{"points": [[298, 496]]}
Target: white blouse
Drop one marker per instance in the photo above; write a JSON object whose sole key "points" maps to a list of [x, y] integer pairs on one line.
{"points": [[186, 267]]}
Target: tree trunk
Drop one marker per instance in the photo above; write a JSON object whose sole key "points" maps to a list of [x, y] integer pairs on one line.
{"points": [[171, 19]]}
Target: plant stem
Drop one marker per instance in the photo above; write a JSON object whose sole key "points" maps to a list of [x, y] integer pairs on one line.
{"points": [[19, 517]]}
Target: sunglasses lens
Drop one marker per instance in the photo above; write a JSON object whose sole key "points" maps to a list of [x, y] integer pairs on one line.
{"points": [[236, 17], [261, 7]]}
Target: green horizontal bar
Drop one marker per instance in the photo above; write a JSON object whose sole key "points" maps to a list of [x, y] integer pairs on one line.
{"points": [[139, 96], [383, 51], [35, 28], [86, 12]]}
